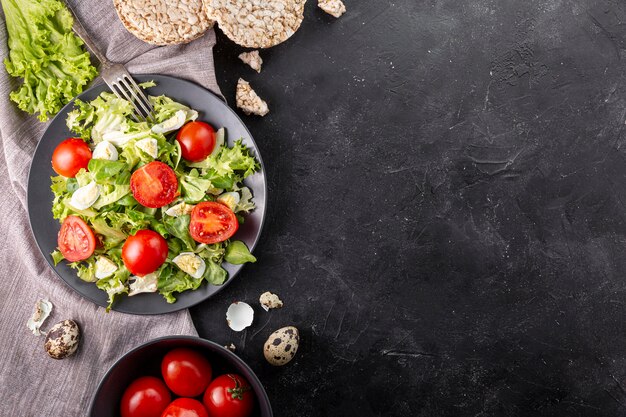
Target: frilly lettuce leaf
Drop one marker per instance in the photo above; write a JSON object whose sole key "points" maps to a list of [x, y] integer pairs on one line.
{"points": [[46, 54]]}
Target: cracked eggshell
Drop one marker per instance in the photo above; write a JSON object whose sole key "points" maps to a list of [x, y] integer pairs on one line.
{"points": [[239, 316], [40, 314], [282, 345], [63, 339], [269, 300]]}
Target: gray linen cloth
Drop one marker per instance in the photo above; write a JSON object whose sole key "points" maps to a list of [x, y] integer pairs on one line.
{"points": [[31, 383]]}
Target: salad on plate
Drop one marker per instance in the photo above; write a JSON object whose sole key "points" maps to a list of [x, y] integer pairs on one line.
{"points": [[149, 206]]}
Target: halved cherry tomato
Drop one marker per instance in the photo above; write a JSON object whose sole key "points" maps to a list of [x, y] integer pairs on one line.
{"points": [[70, 156], [186, 372], [145, 397], [229, 395], [212, 223], [197, 140], [154, 185], [185, 407], [76, 239], [144, 252]]}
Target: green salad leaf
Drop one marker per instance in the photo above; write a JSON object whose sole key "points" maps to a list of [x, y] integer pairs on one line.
{"points": [[46, 54], [237, 253]]}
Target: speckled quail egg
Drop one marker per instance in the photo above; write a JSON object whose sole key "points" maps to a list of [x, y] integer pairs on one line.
{"points": [[63, 339], [281, 346]]}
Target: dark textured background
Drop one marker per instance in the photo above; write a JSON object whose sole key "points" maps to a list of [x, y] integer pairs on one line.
{"points": [[447, 210]]}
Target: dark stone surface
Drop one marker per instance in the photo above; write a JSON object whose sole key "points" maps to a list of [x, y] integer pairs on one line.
{"points": [[446, 224]]}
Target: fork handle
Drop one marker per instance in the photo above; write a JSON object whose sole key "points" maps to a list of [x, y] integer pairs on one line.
{"points": [[79, 29]]}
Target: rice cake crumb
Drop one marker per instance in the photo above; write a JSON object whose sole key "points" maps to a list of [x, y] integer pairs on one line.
{"points": [[253, 59], [163, 22], [249, 101], [257, 23], [332, 7]]}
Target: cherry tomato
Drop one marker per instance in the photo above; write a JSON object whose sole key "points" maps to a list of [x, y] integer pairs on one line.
{"points": [[229, 395], [186, 372], [154, 185], [212, 223], [145, 397], [185, 407], [197, 140], [70, 156], [144, 252], [76, 239]]}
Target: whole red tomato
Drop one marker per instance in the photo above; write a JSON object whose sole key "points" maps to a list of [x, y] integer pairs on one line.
{"points": [[229, 395], [70, 156], [185, 407], [145, 397], [186, 372], [197, 140], [144, 252]]}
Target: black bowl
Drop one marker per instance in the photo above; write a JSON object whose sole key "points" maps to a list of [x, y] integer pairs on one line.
{"points": [[146, 360]]}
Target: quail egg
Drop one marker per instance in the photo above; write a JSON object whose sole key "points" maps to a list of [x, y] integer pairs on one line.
{"points": [[63, 339], [281, 346], [84, 197]]}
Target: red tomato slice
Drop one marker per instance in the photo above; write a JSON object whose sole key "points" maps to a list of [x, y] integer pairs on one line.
{"points": [[76, 239], [212, 223], [154, 185], [144, 252], [186, 372], [197, 140], [70, 156], [185, 407], [145, 397], [229, 395]]}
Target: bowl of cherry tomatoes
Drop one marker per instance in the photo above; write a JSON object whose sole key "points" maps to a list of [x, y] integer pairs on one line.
{"points": [[180, 376]]}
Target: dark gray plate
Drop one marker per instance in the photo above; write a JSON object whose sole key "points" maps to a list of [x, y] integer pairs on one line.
{"points": [[45, 229]]}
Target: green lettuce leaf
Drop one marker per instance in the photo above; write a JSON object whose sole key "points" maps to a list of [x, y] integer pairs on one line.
{"points": [[194, 187], [179, 227], [215, 274], [103, 170], [237, 253], [114, 285], [57, 257], [46, 54], [172, 280], [165, 107]]}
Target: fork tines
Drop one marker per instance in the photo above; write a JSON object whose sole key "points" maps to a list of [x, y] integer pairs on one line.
{"points": [[125, 87]]}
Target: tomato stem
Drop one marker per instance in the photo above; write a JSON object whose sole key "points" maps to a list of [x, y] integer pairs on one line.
{"points": [[238, 391]]}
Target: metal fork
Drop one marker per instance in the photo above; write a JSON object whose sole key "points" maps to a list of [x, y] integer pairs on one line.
{"points": [[116, 76]]}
